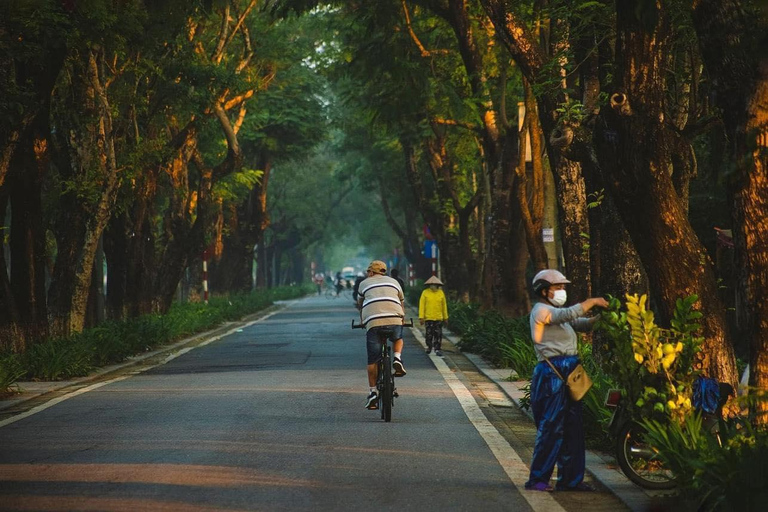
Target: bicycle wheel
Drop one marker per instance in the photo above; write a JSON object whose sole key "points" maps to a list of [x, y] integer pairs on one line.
{"points": [[387, 386]]}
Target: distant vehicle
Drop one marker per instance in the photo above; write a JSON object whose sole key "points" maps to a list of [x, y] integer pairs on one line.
{"points": [[348, 277]]}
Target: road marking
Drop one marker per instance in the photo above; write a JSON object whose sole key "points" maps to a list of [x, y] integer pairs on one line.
{"points": [[171, 357], [510, 461]]}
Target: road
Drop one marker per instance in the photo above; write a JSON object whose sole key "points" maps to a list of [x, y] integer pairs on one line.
{"points": [[272, 417]]}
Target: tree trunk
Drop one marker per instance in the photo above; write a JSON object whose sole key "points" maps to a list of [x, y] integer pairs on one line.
{"points": [[633, 148], [740, 70], [93, 148], [27, 234], [11, 335]]}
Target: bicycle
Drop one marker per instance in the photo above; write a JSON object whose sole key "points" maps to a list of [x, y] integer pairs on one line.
{"points": [[344, 293], [385, 380]]}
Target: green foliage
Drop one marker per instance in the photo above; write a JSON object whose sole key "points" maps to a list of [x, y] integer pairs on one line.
{"points": [[236, 186], [113, 342], [505, 342], [596, 415], [413, 295], [57, 359], [652, 365], [11, 370], [714, 475]]}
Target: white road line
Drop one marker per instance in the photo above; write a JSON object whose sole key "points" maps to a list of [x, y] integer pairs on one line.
{"points": [[510, 461], [170, 357]]}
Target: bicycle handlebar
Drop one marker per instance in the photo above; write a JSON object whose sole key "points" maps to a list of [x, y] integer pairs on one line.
{"points": [[361, 326]]}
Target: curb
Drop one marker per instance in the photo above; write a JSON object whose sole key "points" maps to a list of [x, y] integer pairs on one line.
{"points": [[601, 467]]}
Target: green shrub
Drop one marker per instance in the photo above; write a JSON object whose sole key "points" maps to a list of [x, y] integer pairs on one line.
{"points": [[711, 476], [462, 315], [505, 342], [413, 293], [58, 359], [596, 415], [11, 370]]}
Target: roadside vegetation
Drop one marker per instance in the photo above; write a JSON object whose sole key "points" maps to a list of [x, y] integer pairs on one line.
{"points": [[655, 367]]}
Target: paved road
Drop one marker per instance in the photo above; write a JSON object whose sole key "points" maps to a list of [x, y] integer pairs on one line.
{"points": [[272, 418]]}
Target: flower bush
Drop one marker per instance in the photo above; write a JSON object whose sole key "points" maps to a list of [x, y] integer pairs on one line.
{"points": [[654, 366]]}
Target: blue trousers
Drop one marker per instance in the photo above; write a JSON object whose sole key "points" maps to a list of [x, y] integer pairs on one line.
{"points": [[560, 429]]}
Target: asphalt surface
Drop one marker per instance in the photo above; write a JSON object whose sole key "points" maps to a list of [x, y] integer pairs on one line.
{"points": [[269, 415]]}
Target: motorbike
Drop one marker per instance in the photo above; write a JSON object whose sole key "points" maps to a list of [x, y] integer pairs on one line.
{"points": [[640, 461]]}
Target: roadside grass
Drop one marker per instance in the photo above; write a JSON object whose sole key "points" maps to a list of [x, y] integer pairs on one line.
{"points": [[113, 342], [504, 342]]}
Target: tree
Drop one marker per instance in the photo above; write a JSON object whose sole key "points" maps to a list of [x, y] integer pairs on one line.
{"points": [[738, 68]]}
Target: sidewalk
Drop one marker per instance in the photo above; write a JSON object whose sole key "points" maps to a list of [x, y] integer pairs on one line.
{"points": [[602, 467]]}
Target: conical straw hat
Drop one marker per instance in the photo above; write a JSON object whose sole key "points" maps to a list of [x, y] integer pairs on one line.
{"points": [[433, 280]]}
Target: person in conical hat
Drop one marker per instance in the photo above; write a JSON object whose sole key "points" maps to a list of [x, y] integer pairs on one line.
{"points": [[433, 310]]}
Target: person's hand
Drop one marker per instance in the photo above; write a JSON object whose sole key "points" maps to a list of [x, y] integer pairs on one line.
{"points": [[599, 302], [421, 321]]}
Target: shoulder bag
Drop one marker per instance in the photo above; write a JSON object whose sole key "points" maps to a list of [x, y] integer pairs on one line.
{"points": [[578, 382]]}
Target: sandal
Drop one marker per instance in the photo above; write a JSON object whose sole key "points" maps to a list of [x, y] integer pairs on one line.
{"points": [[539, 486]]}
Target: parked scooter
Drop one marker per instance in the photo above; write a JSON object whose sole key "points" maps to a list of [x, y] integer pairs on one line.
{"points": [[638, 460]]}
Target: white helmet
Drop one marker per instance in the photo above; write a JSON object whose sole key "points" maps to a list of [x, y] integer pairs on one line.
{"points": [[547, 278]]}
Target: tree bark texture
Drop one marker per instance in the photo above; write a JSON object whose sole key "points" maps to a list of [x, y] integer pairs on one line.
{"points": [[11, 335], [91, 148], [247, 224], [740, 67], [27, 234], [634, 150]]}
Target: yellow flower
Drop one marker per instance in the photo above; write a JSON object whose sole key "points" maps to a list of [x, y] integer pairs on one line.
{"points": [[687, 403], [679, 346], [668, 349], [667, 361], [672, 405], [638, 358], [659, 352]]}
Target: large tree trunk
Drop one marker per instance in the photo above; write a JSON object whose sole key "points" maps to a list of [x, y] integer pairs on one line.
{"points": [[11, 335], [633, 147], [92, 148], [739, 66], [129, 246], [750, 212], [27, 234], [235, 268], [508, 253]]}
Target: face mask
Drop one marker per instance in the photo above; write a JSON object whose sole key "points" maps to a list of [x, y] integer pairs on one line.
{"points": [[559, 298]]}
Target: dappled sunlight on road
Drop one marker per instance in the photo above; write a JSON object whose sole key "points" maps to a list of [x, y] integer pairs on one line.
{"points": [[156, 474], [87, 503]]}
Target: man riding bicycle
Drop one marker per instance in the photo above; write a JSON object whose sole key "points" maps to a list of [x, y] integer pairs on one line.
{"points": [[380, 300]]}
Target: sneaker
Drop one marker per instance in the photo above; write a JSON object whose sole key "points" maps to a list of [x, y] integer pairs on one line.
{"points": [[373, 401], [397, 364], [429, 350], [439, 353]]}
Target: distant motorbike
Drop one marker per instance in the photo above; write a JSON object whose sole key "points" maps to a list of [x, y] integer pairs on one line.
{"points": [[638, 460]]}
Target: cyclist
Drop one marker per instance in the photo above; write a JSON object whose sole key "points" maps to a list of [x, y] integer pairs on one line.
{"points": [[380, 300]]}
